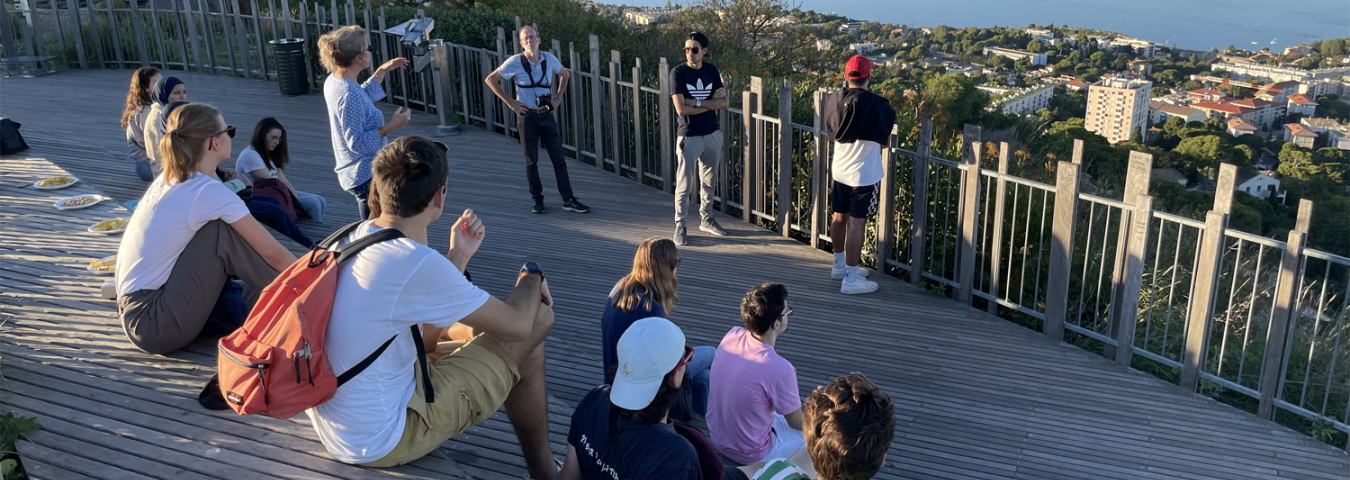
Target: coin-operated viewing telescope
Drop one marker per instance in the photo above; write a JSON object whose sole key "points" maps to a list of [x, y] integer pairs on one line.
{"points": [[434, 53], [416, 33]]}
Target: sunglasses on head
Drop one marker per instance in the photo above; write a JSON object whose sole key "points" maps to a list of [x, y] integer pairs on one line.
{"points": [[691, 49]]}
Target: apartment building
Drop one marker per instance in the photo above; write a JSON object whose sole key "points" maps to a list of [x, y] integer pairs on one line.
{"points": [[1279, 74], [1015, 55], [1026, 101], [1116, 107]]}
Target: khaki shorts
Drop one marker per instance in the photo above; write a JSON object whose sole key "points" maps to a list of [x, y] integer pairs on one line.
{"points": [[470, 384]]}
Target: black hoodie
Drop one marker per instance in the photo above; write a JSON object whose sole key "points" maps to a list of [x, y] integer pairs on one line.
{"points": [[857, 114]]}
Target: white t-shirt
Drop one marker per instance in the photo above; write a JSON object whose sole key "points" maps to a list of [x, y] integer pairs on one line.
{"points": [[511, 69], [857, 164], [248, 161], [165, 220], [386, 288]]}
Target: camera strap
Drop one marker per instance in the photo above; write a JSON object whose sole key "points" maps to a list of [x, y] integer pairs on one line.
{"points": [[529, 72]]}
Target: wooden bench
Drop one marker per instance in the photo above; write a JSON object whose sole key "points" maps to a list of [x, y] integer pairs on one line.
{"points": [[37, 66]]}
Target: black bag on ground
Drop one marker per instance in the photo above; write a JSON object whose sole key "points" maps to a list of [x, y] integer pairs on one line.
{"points": [[10, 140]]}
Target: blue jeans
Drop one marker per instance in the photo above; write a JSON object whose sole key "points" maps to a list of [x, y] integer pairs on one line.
{"points": [[361, 192], [144, 171], [700, 371], [268, 212]]}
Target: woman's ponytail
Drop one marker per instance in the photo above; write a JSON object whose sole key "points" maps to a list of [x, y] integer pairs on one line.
{"points": [[181, 148]]}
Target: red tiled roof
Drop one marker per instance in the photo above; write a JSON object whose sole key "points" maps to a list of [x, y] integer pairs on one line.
{"points": [[1222, 107], [1240, 124], [1298, 130], [1300, 99], [1251, 102]]}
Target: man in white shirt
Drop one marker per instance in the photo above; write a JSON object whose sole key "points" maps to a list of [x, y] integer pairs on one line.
{"points": [[493, 354], [859, 122], [532, 72]]}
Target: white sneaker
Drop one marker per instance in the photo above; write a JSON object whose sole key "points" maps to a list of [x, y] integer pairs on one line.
{"points": [[840, 273], [860, 286]]}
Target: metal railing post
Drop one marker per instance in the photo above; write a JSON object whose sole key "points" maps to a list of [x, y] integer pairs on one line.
{"points": [[636, 117], [748, 101], [663, 110], [969, 213], [1124, 284], [818, 170], [886, 210], [1206, 275], [996, 243], [919, 207], [1286, 295], [1061, 246], [596, 121], [785, 134]]}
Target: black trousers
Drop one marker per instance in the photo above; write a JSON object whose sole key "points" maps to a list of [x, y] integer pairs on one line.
{"points": [[533, 128]]}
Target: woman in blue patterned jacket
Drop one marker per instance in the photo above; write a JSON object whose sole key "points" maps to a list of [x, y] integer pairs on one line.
{"points": [[358, 128]]}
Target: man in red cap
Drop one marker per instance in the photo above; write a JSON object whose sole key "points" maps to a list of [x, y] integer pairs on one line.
{"points": [[859, 122]]}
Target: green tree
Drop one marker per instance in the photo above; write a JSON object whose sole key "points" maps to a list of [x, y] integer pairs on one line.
{"points": [[1035, 46], [1206, 151], [1333, 47], [1296, 162], [1159, 92]]}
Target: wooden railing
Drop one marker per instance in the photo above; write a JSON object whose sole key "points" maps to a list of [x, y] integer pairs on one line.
{"points": [[1257, 322]]}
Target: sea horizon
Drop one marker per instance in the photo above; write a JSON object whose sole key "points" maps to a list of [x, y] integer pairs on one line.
{"points": [[1190, 24]]}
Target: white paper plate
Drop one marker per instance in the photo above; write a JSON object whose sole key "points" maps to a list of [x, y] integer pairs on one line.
{"points": [[107, 232], [98, 198], [73, 181], [90, 268]]}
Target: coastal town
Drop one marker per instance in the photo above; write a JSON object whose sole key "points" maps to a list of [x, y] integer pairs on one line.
{"points": [[1277, 113]]}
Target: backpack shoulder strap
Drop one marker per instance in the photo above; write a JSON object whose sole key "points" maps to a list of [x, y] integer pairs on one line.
{"points": [[346, 252], [358, 368], [338, 235]]}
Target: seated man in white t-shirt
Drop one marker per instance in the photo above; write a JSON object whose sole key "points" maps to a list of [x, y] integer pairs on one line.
{"points": [[382, 417]]}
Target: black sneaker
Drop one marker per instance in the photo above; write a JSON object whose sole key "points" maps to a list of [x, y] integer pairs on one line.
{"points": [[538, 208], [575, 206]]}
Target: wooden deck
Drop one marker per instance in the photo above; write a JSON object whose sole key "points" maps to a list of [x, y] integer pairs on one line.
{"points": [[976, 396]]}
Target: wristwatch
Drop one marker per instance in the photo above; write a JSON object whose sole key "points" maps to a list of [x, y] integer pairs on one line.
{"points": [[533, 268]]}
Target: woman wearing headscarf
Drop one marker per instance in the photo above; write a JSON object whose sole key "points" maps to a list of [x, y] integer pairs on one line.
{"points": [[165, 91], [133, 119], [358, 128]]}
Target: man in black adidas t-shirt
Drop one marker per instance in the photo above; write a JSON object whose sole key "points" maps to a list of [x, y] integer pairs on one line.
{"points": [[697, 92]]}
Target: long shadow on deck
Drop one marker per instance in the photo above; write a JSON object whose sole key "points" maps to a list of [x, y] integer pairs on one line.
{"points": [[976, 396]]}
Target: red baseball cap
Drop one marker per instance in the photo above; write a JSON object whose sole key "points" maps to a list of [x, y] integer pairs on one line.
{"points": [[858, 67]]}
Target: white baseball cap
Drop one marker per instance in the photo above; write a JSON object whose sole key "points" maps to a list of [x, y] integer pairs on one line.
{"points": [[647, 351]]}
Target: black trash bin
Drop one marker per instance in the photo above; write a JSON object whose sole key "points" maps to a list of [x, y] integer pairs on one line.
{"points": [[290, 62]]}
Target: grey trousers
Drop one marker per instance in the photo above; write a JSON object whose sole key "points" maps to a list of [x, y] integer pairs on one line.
{"points": [[168, 318], [707, 151]]}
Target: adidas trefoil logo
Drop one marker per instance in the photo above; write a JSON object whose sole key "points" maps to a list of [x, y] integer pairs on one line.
{"points": [[699, 90]]}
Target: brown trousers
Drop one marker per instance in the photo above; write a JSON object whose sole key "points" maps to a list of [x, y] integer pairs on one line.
{"points": [[168, 318]]}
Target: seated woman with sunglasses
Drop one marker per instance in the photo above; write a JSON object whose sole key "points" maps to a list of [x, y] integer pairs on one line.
{"points": [[649, 290], [189, 234]]}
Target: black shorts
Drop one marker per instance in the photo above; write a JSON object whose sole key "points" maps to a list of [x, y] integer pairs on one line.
{"points": [[857, 202]]}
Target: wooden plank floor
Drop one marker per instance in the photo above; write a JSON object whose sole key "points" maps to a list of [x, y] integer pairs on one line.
{"points": [[976, 397]]}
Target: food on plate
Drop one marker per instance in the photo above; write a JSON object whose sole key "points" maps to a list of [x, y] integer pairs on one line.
{"points": [[79, 201], [104, 265], [55, 181], [111, 225]]}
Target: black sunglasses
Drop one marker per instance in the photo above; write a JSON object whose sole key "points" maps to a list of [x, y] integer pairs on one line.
{"points": [[229, 129], [691, 49], [370, 48]]}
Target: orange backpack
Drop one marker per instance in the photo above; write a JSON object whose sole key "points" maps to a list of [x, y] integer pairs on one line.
{"points": [[275, 363]]}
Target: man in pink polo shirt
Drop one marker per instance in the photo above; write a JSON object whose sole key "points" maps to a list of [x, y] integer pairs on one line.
{"points": [[754, 405]]}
